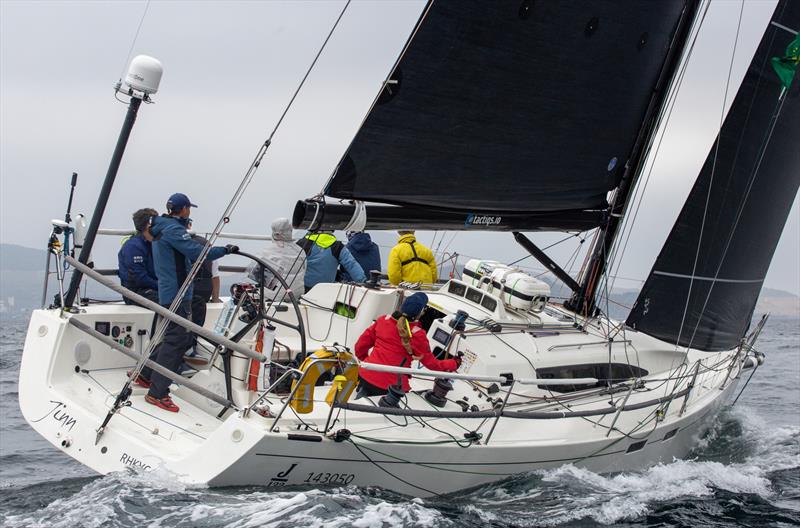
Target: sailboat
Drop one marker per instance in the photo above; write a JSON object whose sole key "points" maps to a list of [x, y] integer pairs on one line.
{"points": [[499, 117]]}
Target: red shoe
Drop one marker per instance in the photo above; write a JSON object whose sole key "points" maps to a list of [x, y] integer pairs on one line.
{"points": [[140, 381], [165, 403]]}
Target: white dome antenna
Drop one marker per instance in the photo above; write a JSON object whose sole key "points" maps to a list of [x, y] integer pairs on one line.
{"points": [[144, 75]]}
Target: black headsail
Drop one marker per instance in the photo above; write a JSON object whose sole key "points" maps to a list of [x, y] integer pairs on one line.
{"points": [[520, 114], [705, 283]]}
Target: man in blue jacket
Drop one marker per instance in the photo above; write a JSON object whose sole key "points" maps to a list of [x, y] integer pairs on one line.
{"points": [[323, 255], [135, 259], [365, 251], [174, 253]]}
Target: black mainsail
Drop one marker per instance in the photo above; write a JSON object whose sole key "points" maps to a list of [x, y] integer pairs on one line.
{"points": [[705, 282], [523, 115]]}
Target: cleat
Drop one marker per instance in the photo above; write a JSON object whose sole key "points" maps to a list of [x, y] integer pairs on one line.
{"points": [[165, 403]]}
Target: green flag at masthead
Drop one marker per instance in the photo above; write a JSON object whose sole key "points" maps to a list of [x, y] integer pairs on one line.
{"points": [[786, 66]]}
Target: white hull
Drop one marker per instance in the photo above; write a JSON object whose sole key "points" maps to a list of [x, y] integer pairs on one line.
{"points": [[66, 405]]}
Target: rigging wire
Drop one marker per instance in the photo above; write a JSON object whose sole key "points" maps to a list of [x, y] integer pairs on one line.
{"points": [[762, 151], [384, 84], [546, 248], [639, 193], [710, 187], [738, 217], [133, 42], [224, 219]]}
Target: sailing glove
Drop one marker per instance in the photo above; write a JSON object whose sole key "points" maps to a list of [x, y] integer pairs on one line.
{"points": [[458, 359], [230, 248]]}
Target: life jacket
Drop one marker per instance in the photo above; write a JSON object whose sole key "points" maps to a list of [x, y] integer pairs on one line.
{"points": [[415, 258], [324, 241]]}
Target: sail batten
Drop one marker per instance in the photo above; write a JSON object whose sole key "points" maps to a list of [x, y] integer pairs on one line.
{"points": [[705, 282], [709, 279]]}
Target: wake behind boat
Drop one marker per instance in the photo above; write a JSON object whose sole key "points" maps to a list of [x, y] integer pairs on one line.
{"points": [[541, 383]]}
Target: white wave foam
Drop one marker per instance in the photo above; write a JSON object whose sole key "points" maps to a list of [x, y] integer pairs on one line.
{"points": [[570, 493], [628, 496], [775, 447], [311, 509], [558, 496], [161, 501]]}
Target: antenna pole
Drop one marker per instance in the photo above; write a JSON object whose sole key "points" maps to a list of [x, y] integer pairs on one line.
{"points": [[73, 183], [102, 199]]}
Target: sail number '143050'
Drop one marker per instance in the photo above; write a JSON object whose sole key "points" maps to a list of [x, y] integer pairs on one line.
{"points": [[329, 478]]}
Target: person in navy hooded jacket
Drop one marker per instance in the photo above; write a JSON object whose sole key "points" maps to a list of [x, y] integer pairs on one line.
{"points": [[365, 251], [135, 259], [174, 253]]}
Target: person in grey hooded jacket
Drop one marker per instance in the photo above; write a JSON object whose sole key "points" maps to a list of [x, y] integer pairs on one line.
{"points": [[287, 258]]}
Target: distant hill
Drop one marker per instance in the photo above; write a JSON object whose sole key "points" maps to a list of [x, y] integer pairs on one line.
{"points": [[21, 279], [14, 257], [22, 273]]}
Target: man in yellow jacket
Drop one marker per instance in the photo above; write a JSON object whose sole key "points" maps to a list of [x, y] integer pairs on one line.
{"points": [[410, 261]]}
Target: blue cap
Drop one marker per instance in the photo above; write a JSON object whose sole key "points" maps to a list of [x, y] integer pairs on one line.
{"points": [[178, 201], [413, 306]]}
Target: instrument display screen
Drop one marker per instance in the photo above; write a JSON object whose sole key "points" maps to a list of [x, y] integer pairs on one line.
{"points": [[456, 289], [489, 303], [441, 336], [104, 327], [474, 295]]}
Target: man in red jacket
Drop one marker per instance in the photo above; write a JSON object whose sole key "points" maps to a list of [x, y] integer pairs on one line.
{"points": [[397, 340]]}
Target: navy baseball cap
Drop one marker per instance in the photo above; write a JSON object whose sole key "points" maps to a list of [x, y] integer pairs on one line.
{"points": [[178, 201], [413, 306]]}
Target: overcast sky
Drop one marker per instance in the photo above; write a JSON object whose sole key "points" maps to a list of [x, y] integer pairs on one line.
{"points": [[230, 68]]}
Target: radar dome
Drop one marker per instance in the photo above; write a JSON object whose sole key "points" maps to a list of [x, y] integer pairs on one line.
{"points": [[144, 74]]}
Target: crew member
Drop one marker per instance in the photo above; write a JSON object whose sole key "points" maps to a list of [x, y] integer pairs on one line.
{"points": [[174, 253], [410, 261], [205, 289], [324, 254], [135, 259], [397, 340], [365, 251], [288, 260]]}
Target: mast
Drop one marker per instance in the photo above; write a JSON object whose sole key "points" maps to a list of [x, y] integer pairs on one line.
{"points": [[143, 78], [584, 300]]}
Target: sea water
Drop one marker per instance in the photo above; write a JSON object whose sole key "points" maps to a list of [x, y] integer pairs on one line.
{"points": [[744, 472]]}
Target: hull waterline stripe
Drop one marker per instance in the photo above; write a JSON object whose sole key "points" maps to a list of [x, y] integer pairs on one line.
{"points": [[419, 463]]}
